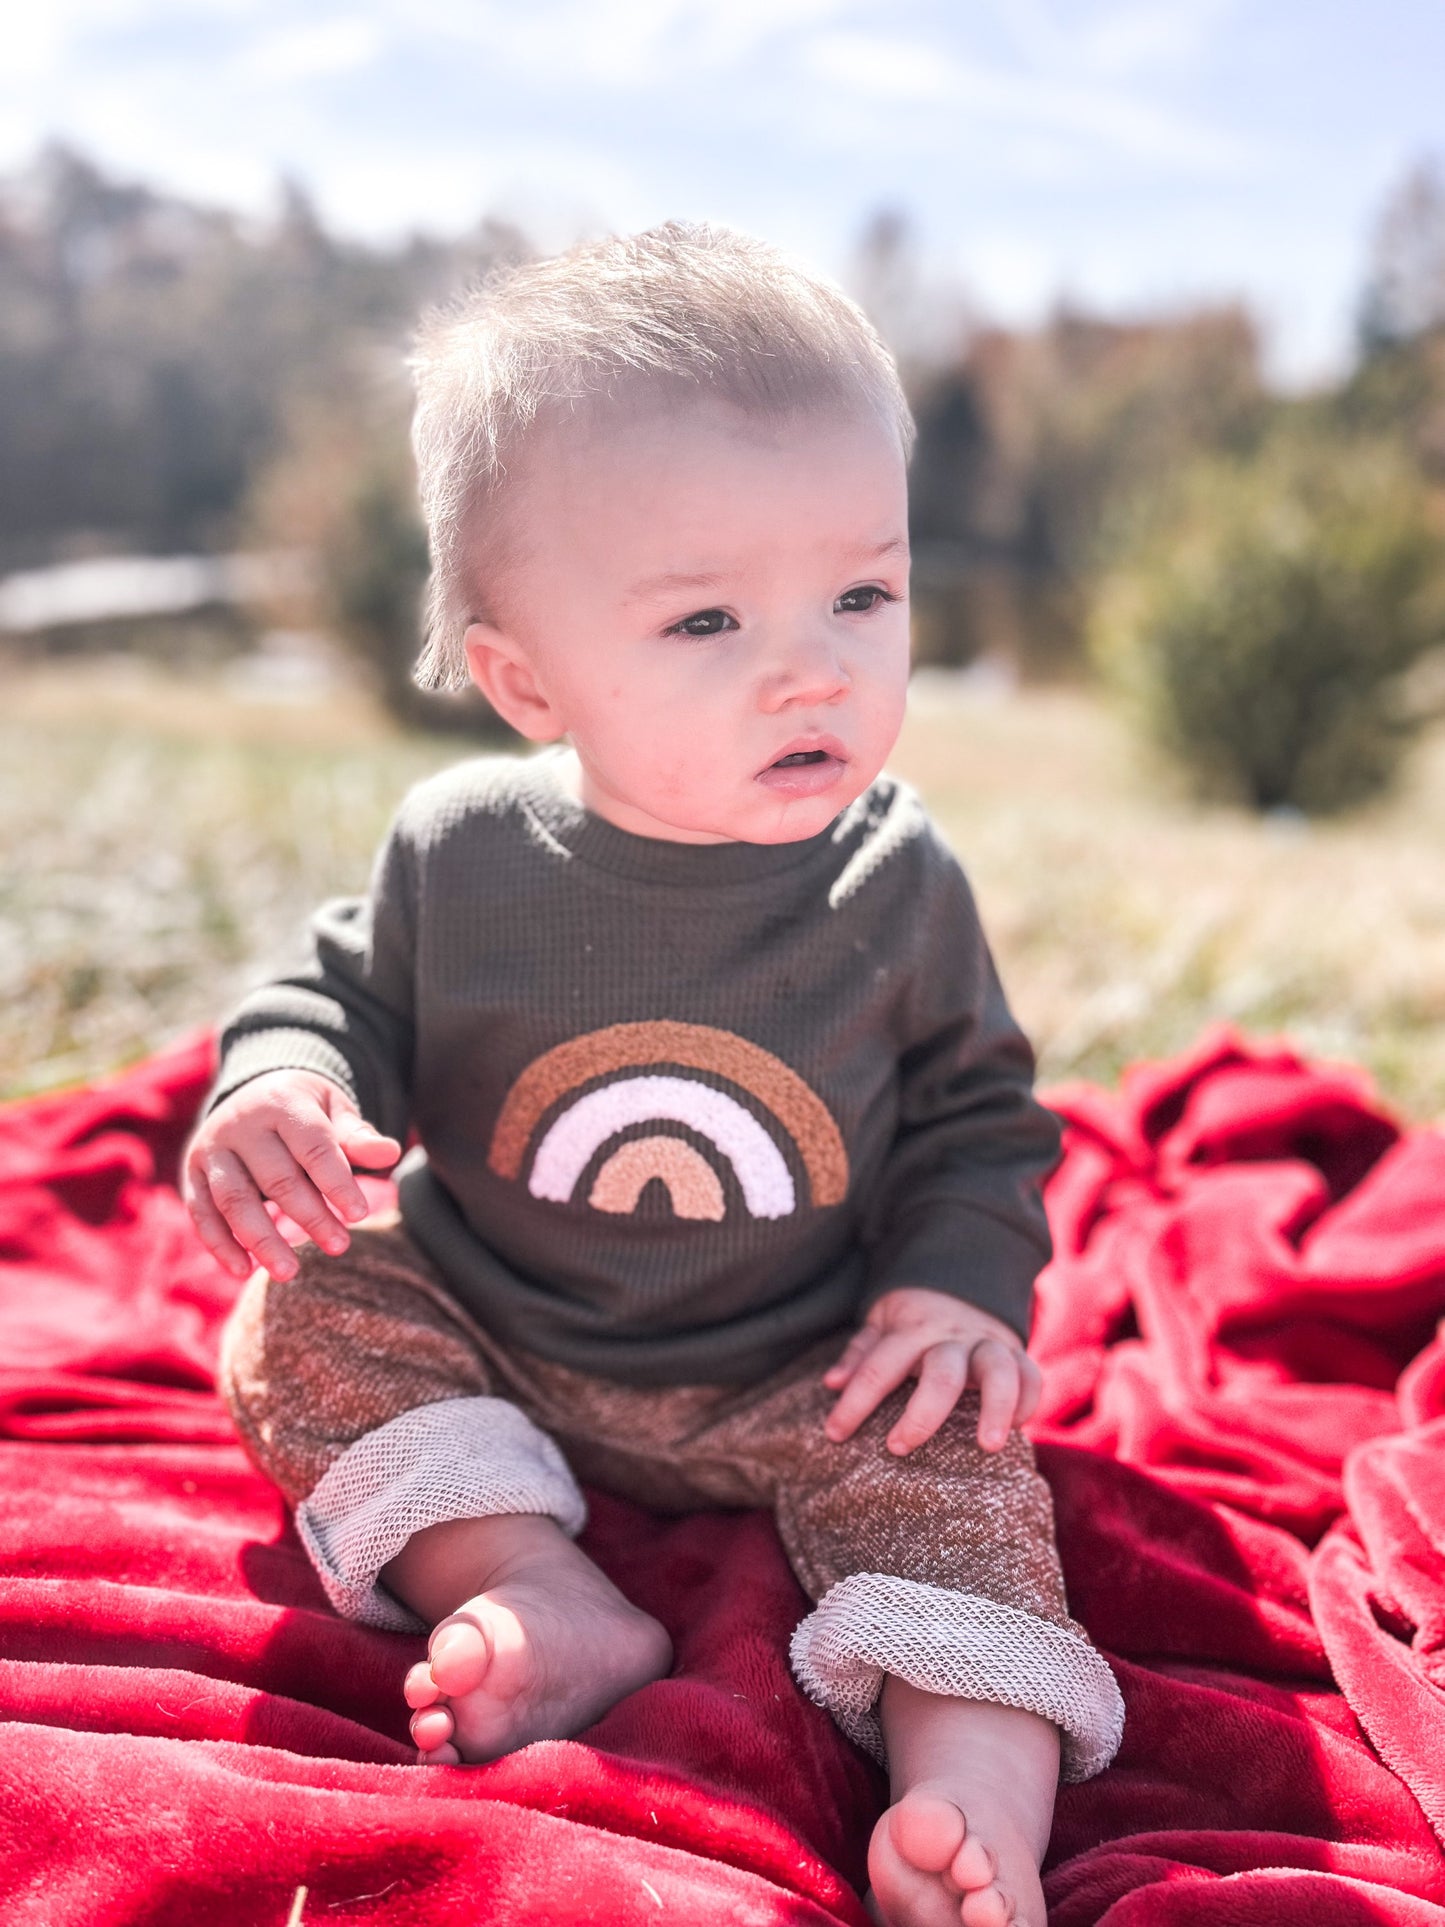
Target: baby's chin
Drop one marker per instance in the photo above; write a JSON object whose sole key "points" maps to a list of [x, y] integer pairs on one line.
{"points": [[791, 826], [792, 819], [797, 830], [751, 812]]}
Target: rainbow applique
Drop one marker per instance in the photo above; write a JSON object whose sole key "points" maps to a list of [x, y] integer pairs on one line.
{"points": [[595, 1087]]}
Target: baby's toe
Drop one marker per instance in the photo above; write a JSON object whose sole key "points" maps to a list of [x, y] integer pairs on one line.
{"points": [[460, 1656], [439, 1756], [974, 1865], [419, 1689], [986, 1907], [928, 1831], [432, 1728]]}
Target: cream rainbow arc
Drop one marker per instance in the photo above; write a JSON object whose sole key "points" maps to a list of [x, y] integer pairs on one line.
{"points": [[645, 1067]]}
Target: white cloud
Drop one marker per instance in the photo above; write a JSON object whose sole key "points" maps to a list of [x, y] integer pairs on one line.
{"points": [[1149, 39], [324, 47], [1013, 278], [554, 192], [918, 75], [48, 41], [617, 43], [148, 133], [40, 39], [880, 67], [1120, 40], [727, 32]]}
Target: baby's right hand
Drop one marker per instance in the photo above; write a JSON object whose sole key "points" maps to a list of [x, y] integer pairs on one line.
{"points": [[291, 1136]]}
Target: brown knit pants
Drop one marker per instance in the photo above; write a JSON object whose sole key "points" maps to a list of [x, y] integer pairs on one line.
{"points": [[379, 1406]]}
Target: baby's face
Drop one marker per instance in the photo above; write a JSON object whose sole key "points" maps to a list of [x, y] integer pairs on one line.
{"points": [[713, 609]]}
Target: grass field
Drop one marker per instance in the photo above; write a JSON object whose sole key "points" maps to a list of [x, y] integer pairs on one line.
{"points": [[164, 840]]}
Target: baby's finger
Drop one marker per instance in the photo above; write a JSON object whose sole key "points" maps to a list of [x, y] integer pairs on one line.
{"points": [[239, 1202], [1031, 1389], [881, 1372], [994, 1368], [941, 1377], [282, 1180], [363, 1143], [857, 1349], [214, 1232], [311, 1140]]}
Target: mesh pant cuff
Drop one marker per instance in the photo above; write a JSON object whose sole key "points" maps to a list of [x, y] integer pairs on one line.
{"points": [[961, 1645], [462, 1458]]}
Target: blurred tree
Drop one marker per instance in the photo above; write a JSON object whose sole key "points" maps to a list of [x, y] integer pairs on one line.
{"points": [[1032, 449], [1405, 292], [1398, 386], [144, 345], [151, 350], [340, 487], [1270, 616], [173, 378], [1397, 390]]}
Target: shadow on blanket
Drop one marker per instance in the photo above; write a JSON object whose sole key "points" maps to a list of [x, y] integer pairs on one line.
{"points": [[1244, 1430]]}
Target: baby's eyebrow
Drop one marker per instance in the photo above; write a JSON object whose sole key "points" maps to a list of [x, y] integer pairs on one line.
{"points": [[895, 545], [669, 581]]}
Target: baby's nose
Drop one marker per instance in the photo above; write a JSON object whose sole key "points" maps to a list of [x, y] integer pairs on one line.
{"points": [[811, 670]]}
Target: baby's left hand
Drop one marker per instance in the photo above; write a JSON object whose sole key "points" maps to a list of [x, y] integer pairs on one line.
{"points": [[947, 1345]]}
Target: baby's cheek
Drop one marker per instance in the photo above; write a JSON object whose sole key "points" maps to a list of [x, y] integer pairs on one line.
{"points": [[681, 761], [671, 780]]}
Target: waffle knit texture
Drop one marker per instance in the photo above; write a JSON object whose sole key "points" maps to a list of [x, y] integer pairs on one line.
{"points": [[379, 1406], [466, 1458], [960, 1645], [681, 1109]]}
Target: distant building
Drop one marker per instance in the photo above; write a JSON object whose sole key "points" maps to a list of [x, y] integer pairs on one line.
{"points": [[107, 595]]}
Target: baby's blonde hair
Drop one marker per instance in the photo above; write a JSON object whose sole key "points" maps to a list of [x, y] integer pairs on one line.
{"points": [[684, 305]]}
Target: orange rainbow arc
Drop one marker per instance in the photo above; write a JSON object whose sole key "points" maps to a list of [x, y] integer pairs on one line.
{"points": [[692, 1184]]}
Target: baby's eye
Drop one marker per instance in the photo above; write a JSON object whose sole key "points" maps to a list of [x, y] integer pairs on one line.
{"points": [[707, 622], [858, 602]]}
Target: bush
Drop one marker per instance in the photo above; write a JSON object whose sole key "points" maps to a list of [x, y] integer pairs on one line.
{"points": [[341, 489], [1266, 620]]}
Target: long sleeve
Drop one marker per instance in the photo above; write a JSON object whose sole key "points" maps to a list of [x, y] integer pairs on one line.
{"points": [[346, 1011], [958, 1207]]}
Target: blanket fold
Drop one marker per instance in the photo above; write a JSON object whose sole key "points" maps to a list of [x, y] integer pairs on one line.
{"points": [[1244, 1429]]}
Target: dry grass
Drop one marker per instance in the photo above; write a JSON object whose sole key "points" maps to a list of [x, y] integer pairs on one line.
{"points": [[1125, 918], [164, 842]]}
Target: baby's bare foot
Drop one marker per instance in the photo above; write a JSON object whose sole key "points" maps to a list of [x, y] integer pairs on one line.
{"points": [[973, 1801], [542, 1650], [932, 1866]]}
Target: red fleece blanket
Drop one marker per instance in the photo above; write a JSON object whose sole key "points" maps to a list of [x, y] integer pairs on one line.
{"points": [[1245, 1433]]}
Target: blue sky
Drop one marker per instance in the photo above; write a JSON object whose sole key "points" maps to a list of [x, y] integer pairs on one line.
{"points": [[1134, 154]]}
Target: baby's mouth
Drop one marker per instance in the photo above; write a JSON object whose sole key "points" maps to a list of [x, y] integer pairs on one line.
{"points": [[806, 772]]}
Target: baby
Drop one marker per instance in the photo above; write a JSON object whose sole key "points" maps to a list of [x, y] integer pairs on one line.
{"points": [[726, 1181]]}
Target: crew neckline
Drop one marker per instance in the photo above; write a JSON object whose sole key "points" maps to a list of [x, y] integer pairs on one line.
{"points": [[651, 859]]}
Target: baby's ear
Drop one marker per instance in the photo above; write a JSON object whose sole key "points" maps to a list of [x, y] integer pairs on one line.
{"points": [[501, 670]]}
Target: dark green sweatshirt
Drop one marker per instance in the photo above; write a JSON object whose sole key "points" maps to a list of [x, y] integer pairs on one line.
{"points": [[680, 1109]]}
